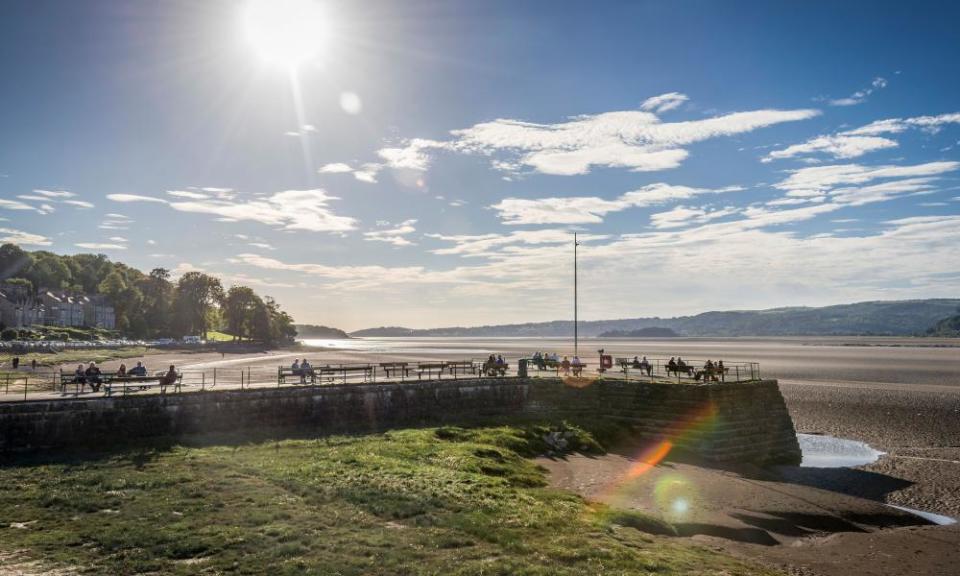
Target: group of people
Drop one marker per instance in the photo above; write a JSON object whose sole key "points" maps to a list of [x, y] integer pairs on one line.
{"points": [[302, 369], [710, 368], [15, 363], [643, 365], [95, 377], [544, 360], [541, 359]]}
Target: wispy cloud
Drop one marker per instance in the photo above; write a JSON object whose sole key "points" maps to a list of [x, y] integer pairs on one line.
{"points": [[99, 246], [664, 102], [860, 96], [859, 141], [688, 216], [633, 139], [839, 146], [395, 235], [79, 203], [365, 173], [55, 193], [898, 125], [592, 209], [11, 236], [289, 210], [14, 205], [134, 198]]}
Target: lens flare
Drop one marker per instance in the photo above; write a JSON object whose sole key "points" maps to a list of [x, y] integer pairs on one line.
{"points": [[674, 496]]}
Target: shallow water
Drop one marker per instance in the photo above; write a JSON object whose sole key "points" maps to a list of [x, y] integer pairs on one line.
{"points": [[929, 516], [829, 452]]}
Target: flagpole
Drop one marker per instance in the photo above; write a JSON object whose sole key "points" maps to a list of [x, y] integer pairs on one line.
{"points": [[576, 340]]}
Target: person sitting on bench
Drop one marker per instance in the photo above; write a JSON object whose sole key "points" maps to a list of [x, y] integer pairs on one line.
{"points": [[92, 375], [80, 377], [500, 361], [645, 366], [636, 362], [681, 364], [672, 365], [577, 366], [305, 370], [122, 371], [565, 366], [139, 370], [169, 378], [295, 367]]}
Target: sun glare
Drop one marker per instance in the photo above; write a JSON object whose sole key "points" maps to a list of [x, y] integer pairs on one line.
{"points": [[285, 31]]}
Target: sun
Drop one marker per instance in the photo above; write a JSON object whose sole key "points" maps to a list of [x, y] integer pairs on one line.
{"points": [[287, 32]]}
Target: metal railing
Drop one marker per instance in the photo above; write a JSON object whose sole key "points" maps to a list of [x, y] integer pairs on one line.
{"points": [[26, 384], [695, 370]]}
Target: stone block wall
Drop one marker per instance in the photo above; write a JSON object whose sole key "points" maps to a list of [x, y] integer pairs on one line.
{"points": [[728, 422]]}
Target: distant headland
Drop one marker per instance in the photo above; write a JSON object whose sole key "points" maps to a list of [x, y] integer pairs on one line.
{"points": [[877, 318]]}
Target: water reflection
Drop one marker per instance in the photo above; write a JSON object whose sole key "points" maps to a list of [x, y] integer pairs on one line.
{"points": [[829, 452]]}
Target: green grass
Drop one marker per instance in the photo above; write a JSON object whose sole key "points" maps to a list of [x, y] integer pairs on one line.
{"points": [[82, 355], [216, 336], [424, 501]]}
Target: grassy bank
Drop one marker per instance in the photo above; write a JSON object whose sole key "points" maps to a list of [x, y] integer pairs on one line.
{"points": [[430, 501], [82, 355]]}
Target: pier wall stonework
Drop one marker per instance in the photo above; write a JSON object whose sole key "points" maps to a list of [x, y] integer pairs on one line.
{"points": [[724, 422]]}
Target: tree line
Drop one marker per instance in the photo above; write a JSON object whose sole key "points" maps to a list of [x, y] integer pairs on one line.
{"points": [[152, 305]]}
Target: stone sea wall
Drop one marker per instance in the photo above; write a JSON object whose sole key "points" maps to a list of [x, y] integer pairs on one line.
{"points": [[742, 422]]}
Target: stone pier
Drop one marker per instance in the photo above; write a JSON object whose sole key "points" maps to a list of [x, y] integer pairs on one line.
{"points": [[722, 422]]}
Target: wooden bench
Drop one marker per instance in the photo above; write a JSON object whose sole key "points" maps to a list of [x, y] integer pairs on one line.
{"points": [[462, 367], [712, 374], [67, 378], [678, 370], [140, 383], [429, 368], [543, 365], [284, 371], [367, 370], [494, 369], [110, 381], [402, 367], [626, 364]]}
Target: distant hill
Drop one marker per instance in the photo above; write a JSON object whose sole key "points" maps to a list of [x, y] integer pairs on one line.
{"points": [[321, 332], [651, 332], [949, 327], [883, 318]]}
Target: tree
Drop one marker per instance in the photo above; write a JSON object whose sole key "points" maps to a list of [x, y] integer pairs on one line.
{"points": [[13, 261], [126, 300], [273, 325], [196, 293], [240, 309], [48, 271], [157, 301]]}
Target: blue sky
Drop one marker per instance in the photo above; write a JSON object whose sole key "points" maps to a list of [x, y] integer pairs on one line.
{"points": [[714, 155]]}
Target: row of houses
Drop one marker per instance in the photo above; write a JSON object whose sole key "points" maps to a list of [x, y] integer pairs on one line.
{"points": [[21, 308]]}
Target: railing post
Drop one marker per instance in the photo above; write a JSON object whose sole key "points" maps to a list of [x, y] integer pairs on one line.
{"points": [[738, 373], [26, 381], [241, 378], [214, 376], [203, 380]]}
